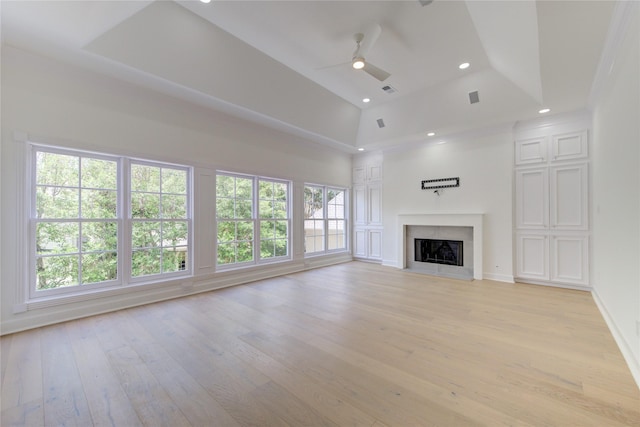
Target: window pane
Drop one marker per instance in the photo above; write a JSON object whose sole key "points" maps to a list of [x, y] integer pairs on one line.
{"points": [[225, 208], [244, 252], [56, 272], [267, 249], [266, 209], [245, 230], [174, 181], [267, 229], [145, 178], [56, 202], [244, 209], [266, 190], [281, 247], [226, 231], [336, 235], [57, 169], [335, 204], [174, 259], [99, 204], [145, 234], [57, 237], [226, 253], [174, 206], [175, 233], [313, 202], [281, 229], [244, 188], [99, 267], [145, 205], [99, 236], [145, 262], [225, 186], [97, 173]]}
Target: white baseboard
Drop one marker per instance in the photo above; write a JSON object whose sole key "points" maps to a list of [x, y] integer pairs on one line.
{"points": [[499, 277], [634, 365]]}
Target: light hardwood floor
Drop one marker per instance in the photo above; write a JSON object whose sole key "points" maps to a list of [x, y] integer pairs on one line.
{"points": [[352, 344]]}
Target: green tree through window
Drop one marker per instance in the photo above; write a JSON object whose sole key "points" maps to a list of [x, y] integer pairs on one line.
{"points": [[250, 209], [78, 219]]}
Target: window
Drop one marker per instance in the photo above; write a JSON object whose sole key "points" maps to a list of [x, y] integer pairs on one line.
{"points": [[159, 219], [325, 222], [78, 220], [251, 209], [75, 220]]}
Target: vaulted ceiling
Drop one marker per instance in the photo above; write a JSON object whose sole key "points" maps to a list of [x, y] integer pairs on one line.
{"points": [[287, 64]]}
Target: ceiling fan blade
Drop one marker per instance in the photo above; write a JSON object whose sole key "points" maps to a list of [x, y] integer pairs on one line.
{"points": [[376, 72], [370, 35]]}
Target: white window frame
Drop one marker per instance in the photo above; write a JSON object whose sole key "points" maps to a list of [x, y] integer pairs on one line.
{"points": [[256, 220], [123, 220]]}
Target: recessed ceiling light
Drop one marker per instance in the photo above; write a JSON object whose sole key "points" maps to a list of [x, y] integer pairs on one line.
{"points": [[365, 100], [205, 1], [544, 110], [464, 65], [360, 149], [442, 142], [431, 134]]}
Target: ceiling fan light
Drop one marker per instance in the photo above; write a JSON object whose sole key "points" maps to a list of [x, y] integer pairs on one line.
{"points": [[358, 63]]}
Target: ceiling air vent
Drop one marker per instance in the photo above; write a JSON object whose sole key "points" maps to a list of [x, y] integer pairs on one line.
{"points": [[473, 97], [389, 89], [380, 123]]}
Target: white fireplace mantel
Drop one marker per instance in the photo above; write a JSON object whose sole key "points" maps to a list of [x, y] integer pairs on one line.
{"points": [[443, 219]]}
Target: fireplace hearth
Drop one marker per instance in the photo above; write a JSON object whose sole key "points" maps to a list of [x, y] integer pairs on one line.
{"points": [[439, 251]]}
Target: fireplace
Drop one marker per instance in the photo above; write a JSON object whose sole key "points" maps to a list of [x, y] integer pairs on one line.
{"points": [[442, 226], [438, 251]]}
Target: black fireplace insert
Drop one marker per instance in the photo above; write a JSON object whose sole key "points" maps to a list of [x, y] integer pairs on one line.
{"points": [[438, 251]]}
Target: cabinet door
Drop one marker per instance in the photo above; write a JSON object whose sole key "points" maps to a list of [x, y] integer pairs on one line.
{"points": [[374, 172], [569, 146], [374, 194], [568, 197], [530, 151], [375, 244], [532, 198], [533, 256], [569, 259], [360, 243], [359, 205], [359, 175]]}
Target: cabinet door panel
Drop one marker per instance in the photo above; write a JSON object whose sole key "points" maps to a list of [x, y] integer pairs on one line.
{"points": [[533, 256], [375, 244], [530, 151], [569, 146], [569, 255], [532, 209], [569, 197], [375, 205], [360, 243], [359, 205]]}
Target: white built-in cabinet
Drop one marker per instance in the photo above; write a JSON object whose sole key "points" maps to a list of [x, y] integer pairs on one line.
{"points": [[367, 210], [552, 208]]}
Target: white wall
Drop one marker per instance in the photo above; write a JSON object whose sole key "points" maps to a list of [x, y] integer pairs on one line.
{"points": [[484, 165], [616, 191], [65, 105]]}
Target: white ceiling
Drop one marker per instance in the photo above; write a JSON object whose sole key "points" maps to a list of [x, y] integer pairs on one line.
{"points": [[286, 63]]}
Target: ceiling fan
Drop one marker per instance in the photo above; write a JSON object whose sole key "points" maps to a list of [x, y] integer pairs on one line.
{"points": [[364, 42]]}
